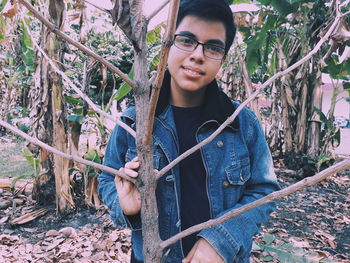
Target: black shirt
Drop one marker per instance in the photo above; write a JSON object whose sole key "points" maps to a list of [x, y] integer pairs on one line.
{"points": [[194, 199]]}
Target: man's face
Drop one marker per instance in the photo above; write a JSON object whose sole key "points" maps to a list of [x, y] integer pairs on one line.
{"points": [[192, 71]]}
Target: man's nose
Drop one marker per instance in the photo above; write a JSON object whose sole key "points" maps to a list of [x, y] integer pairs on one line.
{"points": [[198, 52]]}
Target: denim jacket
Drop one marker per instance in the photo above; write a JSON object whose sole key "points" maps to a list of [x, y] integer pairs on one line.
{"points": [[239, 170]]}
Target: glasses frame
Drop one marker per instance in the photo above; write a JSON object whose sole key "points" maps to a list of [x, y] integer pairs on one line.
{"points": [[199, 43]]}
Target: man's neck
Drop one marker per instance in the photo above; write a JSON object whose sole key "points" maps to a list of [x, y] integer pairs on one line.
{"points": [[186, 98]]}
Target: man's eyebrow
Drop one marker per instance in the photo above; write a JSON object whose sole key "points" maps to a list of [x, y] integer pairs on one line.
{"points": [[216, 42], [187, 33]]}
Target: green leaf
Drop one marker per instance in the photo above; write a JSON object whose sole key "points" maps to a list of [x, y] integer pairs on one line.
{"points": [[93, 156], [337, 70], [323, 117], [125, 88], [26, 39], [284, 7], [267, 258], [72, 100], [92, 174], [28, 59], [3, 4], [32, 161], [78, 110], [323, 159], [257, 43], [234, 2], [153, 36], [346, 85], [155, 61], [268, 239], [24, 176]]}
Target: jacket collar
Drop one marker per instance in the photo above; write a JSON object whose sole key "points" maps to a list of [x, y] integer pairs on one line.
{"points": [[217, 106]]}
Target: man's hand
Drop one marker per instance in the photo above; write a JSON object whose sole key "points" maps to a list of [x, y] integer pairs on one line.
{"points": [[203, 252], [129, 196]]}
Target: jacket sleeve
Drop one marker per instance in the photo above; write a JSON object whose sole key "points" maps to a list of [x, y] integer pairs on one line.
{"points": [[233, 238], [115, 158]]}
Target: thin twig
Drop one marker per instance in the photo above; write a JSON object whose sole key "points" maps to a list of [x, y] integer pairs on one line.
{"points": [[346, 13], [97, 7], [65, 155], [305, 183], [157, 10], [78, 45], [344, 3], [257, 92], [173, 10], [76, 89]]}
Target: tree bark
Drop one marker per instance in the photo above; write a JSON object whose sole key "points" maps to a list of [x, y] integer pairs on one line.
{"points": [[313, 138], [50, 123]]}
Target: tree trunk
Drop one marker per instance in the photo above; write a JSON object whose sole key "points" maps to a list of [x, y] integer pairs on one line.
{"points": [[302, 115], [313, 140], [50, 122], [147, 181], [40, 114]]}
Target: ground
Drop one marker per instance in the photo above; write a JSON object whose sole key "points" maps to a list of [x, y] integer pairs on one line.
{"points": [[312, 225]]}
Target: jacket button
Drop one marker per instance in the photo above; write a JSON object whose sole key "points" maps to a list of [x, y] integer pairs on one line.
{"points": [[219, 144], [241, 176], [225, 184]]}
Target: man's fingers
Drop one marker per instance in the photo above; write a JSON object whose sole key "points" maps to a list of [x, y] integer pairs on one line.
{"points": [[189, 257], [132, 165], [131, 172], [118, 179]]}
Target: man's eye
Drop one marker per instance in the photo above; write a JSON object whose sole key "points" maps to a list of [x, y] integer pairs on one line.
{"points": [[186, 41], [214, 49]]}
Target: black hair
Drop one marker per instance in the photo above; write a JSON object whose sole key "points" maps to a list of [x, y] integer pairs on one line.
{"points": [[210, 10]]}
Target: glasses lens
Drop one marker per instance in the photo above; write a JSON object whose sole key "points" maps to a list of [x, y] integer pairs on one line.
{"points": [[185, 43], [214, 52], [189, 44]]}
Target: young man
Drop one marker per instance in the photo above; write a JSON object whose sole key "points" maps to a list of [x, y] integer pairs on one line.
{"points": [[231, 171]]}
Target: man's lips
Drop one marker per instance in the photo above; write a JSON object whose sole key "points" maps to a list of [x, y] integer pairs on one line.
{"points": [[192, 72]]}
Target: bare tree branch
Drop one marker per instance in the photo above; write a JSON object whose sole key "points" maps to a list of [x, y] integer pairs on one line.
{"points": [[97, 7], [65, 155], [331, 29], [157, 10], [78, 45], [307, 182], [346, 14], [173, 10], [76, 89]]}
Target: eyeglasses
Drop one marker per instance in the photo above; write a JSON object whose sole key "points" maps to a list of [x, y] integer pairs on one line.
{"points": [[189, 44]]}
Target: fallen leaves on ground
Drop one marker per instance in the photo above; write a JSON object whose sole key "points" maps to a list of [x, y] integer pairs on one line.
{"points": [[309, 226], [91, 243]]}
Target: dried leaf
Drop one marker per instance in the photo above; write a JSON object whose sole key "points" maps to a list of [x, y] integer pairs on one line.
{"points": [[343, 33], [68, 232], [56, 243], [52, 233], [128, 15], [12, 11], [3, 220], [56, 10], [28, 217]]}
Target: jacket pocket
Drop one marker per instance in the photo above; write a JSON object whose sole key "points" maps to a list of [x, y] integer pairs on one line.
{"points": [[239, 172], [131, 153]]}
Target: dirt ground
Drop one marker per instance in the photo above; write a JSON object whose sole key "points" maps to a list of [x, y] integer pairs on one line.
{"points": [[312, 225]]}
